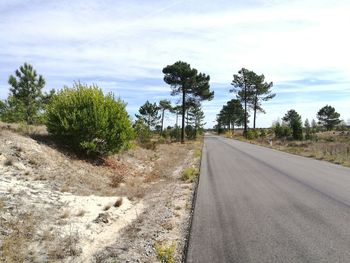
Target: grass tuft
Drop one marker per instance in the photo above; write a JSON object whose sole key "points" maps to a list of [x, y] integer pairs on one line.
{"points": [[189, 174], [165, 253]]}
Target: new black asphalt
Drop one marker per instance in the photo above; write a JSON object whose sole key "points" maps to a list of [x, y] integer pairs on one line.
{"points": [[256, 204]]}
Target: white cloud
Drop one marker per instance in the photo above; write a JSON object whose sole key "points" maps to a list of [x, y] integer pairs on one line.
{"points": [[285, 40]]}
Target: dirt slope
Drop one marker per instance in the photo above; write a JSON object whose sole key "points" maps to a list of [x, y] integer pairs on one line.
{"points": [[58, 208]]}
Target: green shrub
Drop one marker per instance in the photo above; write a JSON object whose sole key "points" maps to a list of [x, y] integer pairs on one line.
{"points": [[189, 174], [282, 131], [143, 133], [165, 254], [89, 121], [252, 134]]}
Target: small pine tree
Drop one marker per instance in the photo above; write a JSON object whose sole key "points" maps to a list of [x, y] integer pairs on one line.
{"points": [[307, 130], [25, 100], [293, 119]]}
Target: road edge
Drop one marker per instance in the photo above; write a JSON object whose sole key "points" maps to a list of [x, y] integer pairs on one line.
{"points": [[194, 198]]}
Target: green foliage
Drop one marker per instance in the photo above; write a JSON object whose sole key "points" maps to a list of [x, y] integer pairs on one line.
{"points": [[25, 100], [282, 131], [307, 130], [293, 120], [262, 133], [165, 254], [252, 134], [261, 92], [195, 117], [190, 132], [175, 133], [89, 121], [231, 114], [251, 90], [163, 106], [189, 83], [149, 114], [189, 174], [328, 117]]}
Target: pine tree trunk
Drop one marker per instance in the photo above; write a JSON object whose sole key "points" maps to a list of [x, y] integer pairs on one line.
{"points": [[183, 117], [245, 111], [254, 117], [255, 108], [161, 129]]}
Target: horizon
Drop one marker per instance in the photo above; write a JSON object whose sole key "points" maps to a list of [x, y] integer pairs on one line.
{"points": [[301, 46]]}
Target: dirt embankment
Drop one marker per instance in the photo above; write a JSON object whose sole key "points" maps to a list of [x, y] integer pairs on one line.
{"points": [[55, 207]]}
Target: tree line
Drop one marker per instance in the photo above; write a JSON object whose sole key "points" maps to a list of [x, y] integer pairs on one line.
{"points": [[97, 123], [251, 91]]}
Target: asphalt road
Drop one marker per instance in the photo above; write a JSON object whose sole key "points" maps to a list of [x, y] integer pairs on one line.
{"points": [[255, 204]]}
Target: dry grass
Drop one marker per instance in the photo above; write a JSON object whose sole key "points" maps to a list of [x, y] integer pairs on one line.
{"points": [[15, 245], [116, 180], [8, 162], [329, 146], [64, 246], [81, 213], [65, 214]]}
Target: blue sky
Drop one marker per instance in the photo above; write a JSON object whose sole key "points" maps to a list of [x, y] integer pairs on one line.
{"points": [[300, 45]]}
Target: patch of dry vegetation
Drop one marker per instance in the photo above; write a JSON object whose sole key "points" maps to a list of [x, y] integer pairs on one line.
{"points": [[20, 230], [43, 236], [331, 146]]}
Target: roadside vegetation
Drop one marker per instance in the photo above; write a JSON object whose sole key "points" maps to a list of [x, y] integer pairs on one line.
{"points": [[96, 168]]}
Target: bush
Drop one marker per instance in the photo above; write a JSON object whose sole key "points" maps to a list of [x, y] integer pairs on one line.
{"points": [[143, 133], [252, 134], [189, 174], [165, 253], [282, 131], [89, 121]]}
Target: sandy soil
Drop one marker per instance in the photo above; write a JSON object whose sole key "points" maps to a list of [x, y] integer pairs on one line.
{"points": [[79, 214]]}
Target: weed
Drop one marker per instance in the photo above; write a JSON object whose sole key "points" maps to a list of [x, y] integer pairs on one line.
{"points": [[165, 253], [178, 207], [197, 153], [15, 246], [81, 212], [65, 214], [116, 180], [8, 162], [107, 207], [119, 202], [189, 174]]}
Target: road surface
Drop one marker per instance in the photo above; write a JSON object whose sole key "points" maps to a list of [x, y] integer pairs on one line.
{"points": [[255, 204]]}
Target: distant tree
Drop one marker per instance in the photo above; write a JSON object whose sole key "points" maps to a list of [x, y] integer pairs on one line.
{"points": [[281, 130], [163, 106], [149, 114], [235, 112], [47, 97], [196, 115], [293, 120], [328, 117], [2, 107], [190, 103], [188, 82], [25, 99], [243, 87], [261, 92], [307, 130], [314, 126], [231, 114]]}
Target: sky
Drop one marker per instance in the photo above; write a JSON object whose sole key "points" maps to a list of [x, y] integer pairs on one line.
{"points": [[122, 46]]}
